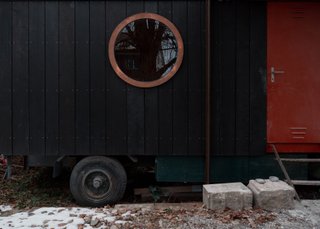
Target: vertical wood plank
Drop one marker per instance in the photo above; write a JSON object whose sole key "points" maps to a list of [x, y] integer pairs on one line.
{"points": [[5, 77], [196, 109], [228, 54], [242, 77], [98, 52], [37, 77], [258, 78], [20, 79], [151, 102], [216, 79], [82, 117], [67, 77], [180, 83], [135, 101], [166, 99], [116, 89], [52, 77], [203, 49], [239, 82]]}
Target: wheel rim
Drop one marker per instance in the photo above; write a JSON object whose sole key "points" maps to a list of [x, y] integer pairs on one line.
{"points": [[96, 184]]}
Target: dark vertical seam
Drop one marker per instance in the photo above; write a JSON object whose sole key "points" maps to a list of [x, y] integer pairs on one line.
{"points": [[45, 78], [158, 110], [236, 42], [89, 89], [28, 81], [126, 91], [12, 132], [105, 78], [204, 34], [202, 79], [220, 42], [172, 93], [107, 142], [59, 73], [250, 74], [75, 77], [265, 86], [144, 104], [249, 88], [188, 79]]}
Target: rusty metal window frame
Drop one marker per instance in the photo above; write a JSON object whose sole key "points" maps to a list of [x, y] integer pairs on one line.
{"points": [[126, 78]]}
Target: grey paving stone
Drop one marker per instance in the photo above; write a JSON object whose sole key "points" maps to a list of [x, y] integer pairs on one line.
{"points": [[235, 196], [272, 195]]}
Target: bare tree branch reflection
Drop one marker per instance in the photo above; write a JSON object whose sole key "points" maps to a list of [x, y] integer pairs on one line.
{"points": [[146, 50]]}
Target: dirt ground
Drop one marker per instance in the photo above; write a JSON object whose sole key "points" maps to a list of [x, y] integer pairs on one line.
{"points": [[32, 199], [169, 215]]}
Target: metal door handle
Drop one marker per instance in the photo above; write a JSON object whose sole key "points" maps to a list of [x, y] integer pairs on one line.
{"points": [[274, 72]]}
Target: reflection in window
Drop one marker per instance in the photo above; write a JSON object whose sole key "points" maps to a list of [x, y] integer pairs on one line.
{"points": [[146, 50]]}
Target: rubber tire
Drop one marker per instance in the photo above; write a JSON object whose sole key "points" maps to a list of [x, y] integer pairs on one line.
{"points": [[117, 178]]}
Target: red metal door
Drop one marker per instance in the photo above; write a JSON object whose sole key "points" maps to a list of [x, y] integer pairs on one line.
{"points": [[294, 75]]}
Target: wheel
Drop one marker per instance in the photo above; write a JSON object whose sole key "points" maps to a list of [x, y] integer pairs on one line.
{"points": [[97, 181]]}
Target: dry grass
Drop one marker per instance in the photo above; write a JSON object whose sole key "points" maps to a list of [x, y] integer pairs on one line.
{"points": [[33, 187]]}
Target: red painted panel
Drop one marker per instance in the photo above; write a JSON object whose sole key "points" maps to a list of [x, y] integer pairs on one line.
{"points": [[293, 112]]}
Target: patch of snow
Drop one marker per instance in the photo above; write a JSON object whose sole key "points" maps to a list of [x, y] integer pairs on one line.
{"points": [[50, 218], [128, 213], [110, 219], [121, 222], [5, 208]]}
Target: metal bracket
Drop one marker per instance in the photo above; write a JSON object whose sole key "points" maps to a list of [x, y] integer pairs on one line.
{"points": [[7, 163], [57, 167]]}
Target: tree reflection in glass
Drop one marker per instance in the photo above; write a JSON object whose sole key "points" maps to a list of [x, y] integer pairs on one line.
{"points": [[146, 50]]}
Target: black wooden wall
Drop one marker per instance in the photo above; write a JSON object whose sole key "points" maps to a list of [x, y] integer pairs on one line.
{"points": [[239, 77], [59, 94]]}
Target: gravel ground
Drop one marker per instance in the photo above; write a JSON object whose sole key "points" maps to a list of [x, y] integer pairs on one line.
{"points": [[186, 215], [28, 191]]}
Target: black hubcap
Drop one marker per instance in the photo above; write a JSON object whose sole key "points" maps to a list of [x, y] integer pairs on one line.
{"points": [[96, 183]]}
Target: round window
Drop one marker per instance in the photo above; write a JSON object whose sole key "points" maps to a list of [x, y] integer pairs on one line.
{"points": [[146, 50]]}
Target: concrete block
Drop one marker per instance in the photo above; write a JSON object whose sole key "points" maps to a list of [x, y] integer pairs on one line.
{"points": [[235, 196], [272, 195]]}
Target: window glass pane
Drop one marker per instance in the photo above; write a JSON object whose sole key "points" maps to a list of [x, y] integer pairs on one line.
{"points": [[146, 50]]}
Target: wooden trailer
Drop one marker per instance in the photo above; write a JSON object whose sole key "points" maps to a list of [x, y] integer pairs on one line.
{"points": [[197, 88]]}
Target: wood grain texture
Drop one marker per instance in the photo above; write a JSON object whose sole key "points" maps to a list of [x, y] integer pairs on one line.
{"points": [[52, 77], [74, 104], [238, 85], [6, 77], [135, 101], [82, 69], [66, 77], [37, 77], [20, 78]]}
